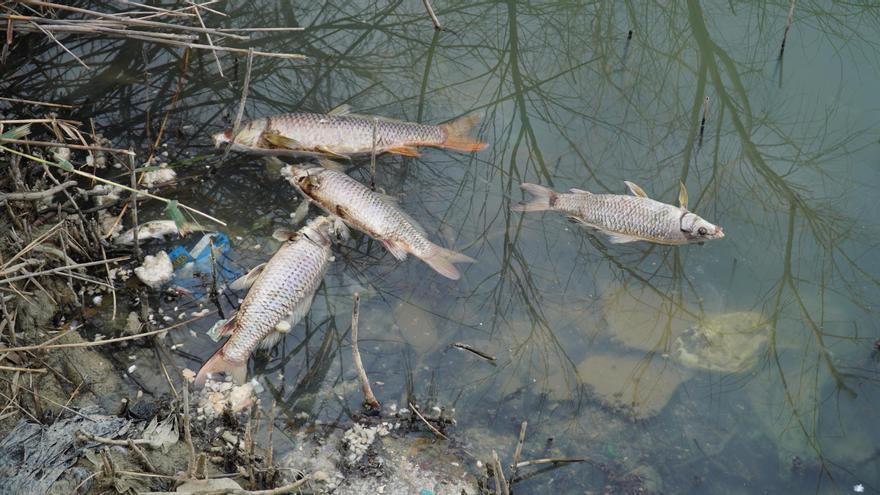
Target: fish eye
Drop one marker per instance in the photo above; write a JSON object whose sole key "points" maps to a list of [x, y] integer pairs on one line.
{"points": [[701, 231]]}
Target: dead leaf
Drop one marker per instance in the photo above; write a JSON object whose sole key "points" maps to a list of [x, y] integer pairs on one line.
{"points": [[162, 435]]}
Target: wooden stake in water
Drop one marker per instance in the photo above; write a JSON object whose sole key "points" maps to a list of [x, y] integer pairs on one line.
{"points": [[373, 156], [703, 122], [134, 208], [787, 27], [369, 397]]}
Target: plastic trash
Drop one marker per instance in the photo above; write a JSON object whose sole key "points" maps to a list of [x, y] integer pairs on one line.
{"points": [[194, 269]]}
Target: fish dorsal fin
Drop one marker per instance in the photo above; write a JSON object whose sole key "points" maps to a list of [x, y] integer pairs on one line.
{"points": [[341, 110], [635, 189], [682, 196], [283, 235], [575, 190]]}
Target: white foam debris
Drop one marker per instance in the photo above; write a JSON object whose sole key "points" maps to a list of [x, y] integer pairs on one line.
{"points": [[158, 177], [156, 270], [132, 368], [199, 314], [218, 395], [97, 300], [357, 440]]}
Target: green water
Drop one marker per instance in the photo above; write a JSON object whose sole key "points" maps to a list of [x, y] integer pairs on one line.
{"points": [[573, 94]]}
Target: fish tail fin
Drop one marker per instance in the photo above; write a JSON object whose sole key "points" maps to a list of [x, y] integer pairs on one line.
{"points": [[458, 136], [218, 363], [442, 259], [542, 198]]}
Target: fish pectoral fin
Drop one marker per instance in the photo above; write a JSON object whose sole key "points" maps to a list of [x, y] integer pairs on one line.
{"points": [[328, 151], [247, 280], [222, 328], [682, 196], [282, 141], [283, 235], [342, 212], [341, 110], [403, 150], [635, 190], [397, 250], [616, 238]]}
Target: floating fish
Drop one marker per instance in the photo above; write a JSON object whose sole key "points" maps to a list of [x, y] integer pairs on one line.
{"points": [[342, 134], [626, 218], [378, 215], [156, 229], [280, 295]]}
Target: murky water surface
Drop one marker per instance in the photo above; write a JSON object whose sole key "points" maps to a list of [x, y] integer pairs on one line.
{"points": [[747, 364]]}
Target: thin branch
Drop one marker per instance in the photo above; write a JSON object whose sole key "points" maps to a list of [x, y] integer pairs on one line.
{"points": [[369, 398], [432, 427]]}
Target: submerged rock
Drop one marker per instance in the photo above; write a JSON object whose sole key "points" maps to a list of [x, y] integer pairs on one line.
{"points": [[727, 343], [639, 388], [644, 320]]}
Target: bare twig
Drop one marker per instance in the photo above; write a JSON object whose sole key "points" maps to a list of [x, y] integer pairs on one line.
{"points": [[369, 398], [241, 102], [432, 427], [431, 13], [23, 370], [518, 451], [208, 36], [64, 145], [787, 27], [466, 347], [187, 433], [109, 182], [550, 460], [373, 156], [45, 346], [33, 102], [703, 121], [53, 38], [143, 457], [501, 487], [60, 269], [134, 209], [36, 195]]}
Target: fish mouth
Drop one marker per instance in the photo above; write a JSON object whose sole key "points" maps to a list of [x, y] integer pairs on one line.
{"points": [[222, 137], [719, 233]]}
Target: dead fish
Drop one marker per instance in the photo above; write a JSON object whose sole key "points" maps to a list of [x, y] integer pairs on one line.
{"points": [[626, 218], [156, 229], [280, 295], [375, 214], [342, 134]]}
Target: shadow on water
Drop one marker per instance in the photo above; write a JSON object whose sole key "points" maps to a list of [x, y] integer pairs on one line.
{"points": [[580, 95]]}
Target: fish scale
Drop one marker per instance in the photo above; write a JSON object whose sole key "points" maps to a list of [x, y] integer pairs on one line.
{"points": [[374, 214], [288, 283], [282, 292], [341, 133], [625, 218], [639, 217]]}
